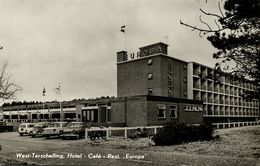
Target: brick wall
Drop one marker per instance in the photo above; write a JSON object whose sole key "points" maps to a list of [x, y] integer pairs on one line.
{"points": [[136, 112], [118, 112], [193, 117], [132, 77]]}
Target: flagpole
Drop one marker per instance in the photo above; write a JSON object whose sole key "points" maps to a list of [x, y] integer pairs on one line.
{"points": [[124, 31], [61, 112], [43, 95]]}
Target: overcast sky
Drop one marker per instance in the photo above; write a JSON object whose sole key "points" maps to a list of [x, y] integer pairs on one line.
{"points": [[75, 41]]}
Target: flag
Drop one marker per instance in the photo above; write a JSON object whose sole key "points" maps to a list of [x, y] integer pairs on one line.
{"points": [[123, 28], [58, 89], [43, 91]]}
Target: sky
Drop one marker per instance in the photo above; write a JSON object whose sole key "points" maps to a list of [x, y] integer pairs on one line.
{"points": [[74, 42]]}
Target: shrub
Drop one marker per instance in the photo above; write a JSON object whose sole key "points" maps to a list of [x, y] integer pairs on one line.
{"points": [[179, 133]]}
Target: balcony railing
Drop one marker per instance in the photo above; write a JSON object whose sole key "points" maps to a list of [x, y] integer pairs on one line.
{"points": [[203, 87], [210, 100], [197, 86], [210, 88]]}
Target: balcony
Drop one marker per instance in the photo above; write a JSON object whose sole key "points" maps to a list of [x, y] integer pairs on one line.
{"points": [[197, 86], [204, 99], [210, 88], [221, 90], [204, 87], [210, 100]]}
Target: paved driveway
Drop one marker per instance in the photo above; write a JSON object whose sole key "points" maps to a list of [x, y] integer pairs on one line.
{"points": [[81, 152]]}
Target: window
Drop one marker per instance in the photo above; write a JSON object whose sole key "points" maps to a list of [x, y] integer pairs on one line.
{"points": [[173, 111], [170, 93], [185, 93], [150, 76], [161, 111], [169, 65], [150, 90], [170, 80], [108, 115], [150, 62], [185, 79]]}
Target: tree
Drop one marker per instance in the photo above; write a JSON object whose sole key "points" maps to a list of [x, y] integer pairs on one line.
{"points": [[8, 88], [237, 37]]}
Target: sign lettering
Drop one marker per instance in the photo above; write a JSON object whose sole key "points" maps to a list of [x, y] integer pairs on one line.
{"points": [[193, 108]]}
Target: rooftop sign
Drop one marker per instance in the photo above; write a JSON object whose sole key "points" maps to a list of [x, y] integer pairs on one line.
{"points": [[153, 49]]}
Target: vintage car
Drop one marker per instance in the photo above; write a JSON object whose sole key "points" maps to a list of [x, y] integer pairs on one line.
{"points": [[74, 129], [54, 129], [38, 129], [5, 127], [25, 128]]}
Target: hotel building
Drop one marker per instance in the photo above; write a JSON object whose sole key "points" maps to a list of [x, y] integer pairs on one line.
{"points": [[154, 88]]}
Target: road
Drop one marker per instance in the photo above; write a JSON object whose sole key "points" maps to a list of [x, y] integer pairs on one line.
{"points": [[55, 151]]}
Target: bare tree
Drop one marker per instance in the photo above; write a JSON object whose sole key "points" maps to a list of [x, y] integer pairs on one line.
{"points": [[8, 88]]}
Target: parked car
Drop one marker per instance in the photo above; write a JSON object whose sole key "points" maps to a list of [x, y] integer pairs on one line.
{"points": [[74, 129], [5, 127], [54, 129], [38, 129], [25, 128]]}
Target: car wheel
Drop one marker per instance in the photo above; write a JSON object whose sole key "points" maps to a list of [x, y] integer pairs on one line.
{"points": [[47, 136], [21, 134], [33, 136]]}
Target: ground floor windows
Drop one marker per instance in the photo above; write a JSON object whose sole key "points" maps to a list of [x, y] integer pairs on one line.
{"points": [[161, 111], [90, 115], [169, 111], [173, 111]]}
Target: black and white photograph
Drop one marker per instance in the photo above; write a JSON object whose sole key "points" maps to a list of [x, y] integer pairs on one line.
{"points": [[130, 82]]}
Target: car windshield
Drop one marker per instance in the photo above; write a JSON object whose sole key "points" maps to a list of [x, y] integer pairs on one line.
{"points": [[31, 125], [42, 125], [54, 125], [75, 125], [22, 126]]}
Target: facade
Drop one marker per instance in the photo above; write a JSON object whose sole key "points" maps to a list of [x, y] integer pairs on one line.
{"points": [[153, 89], [156, 73], [223, 101], [141, 110]]}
